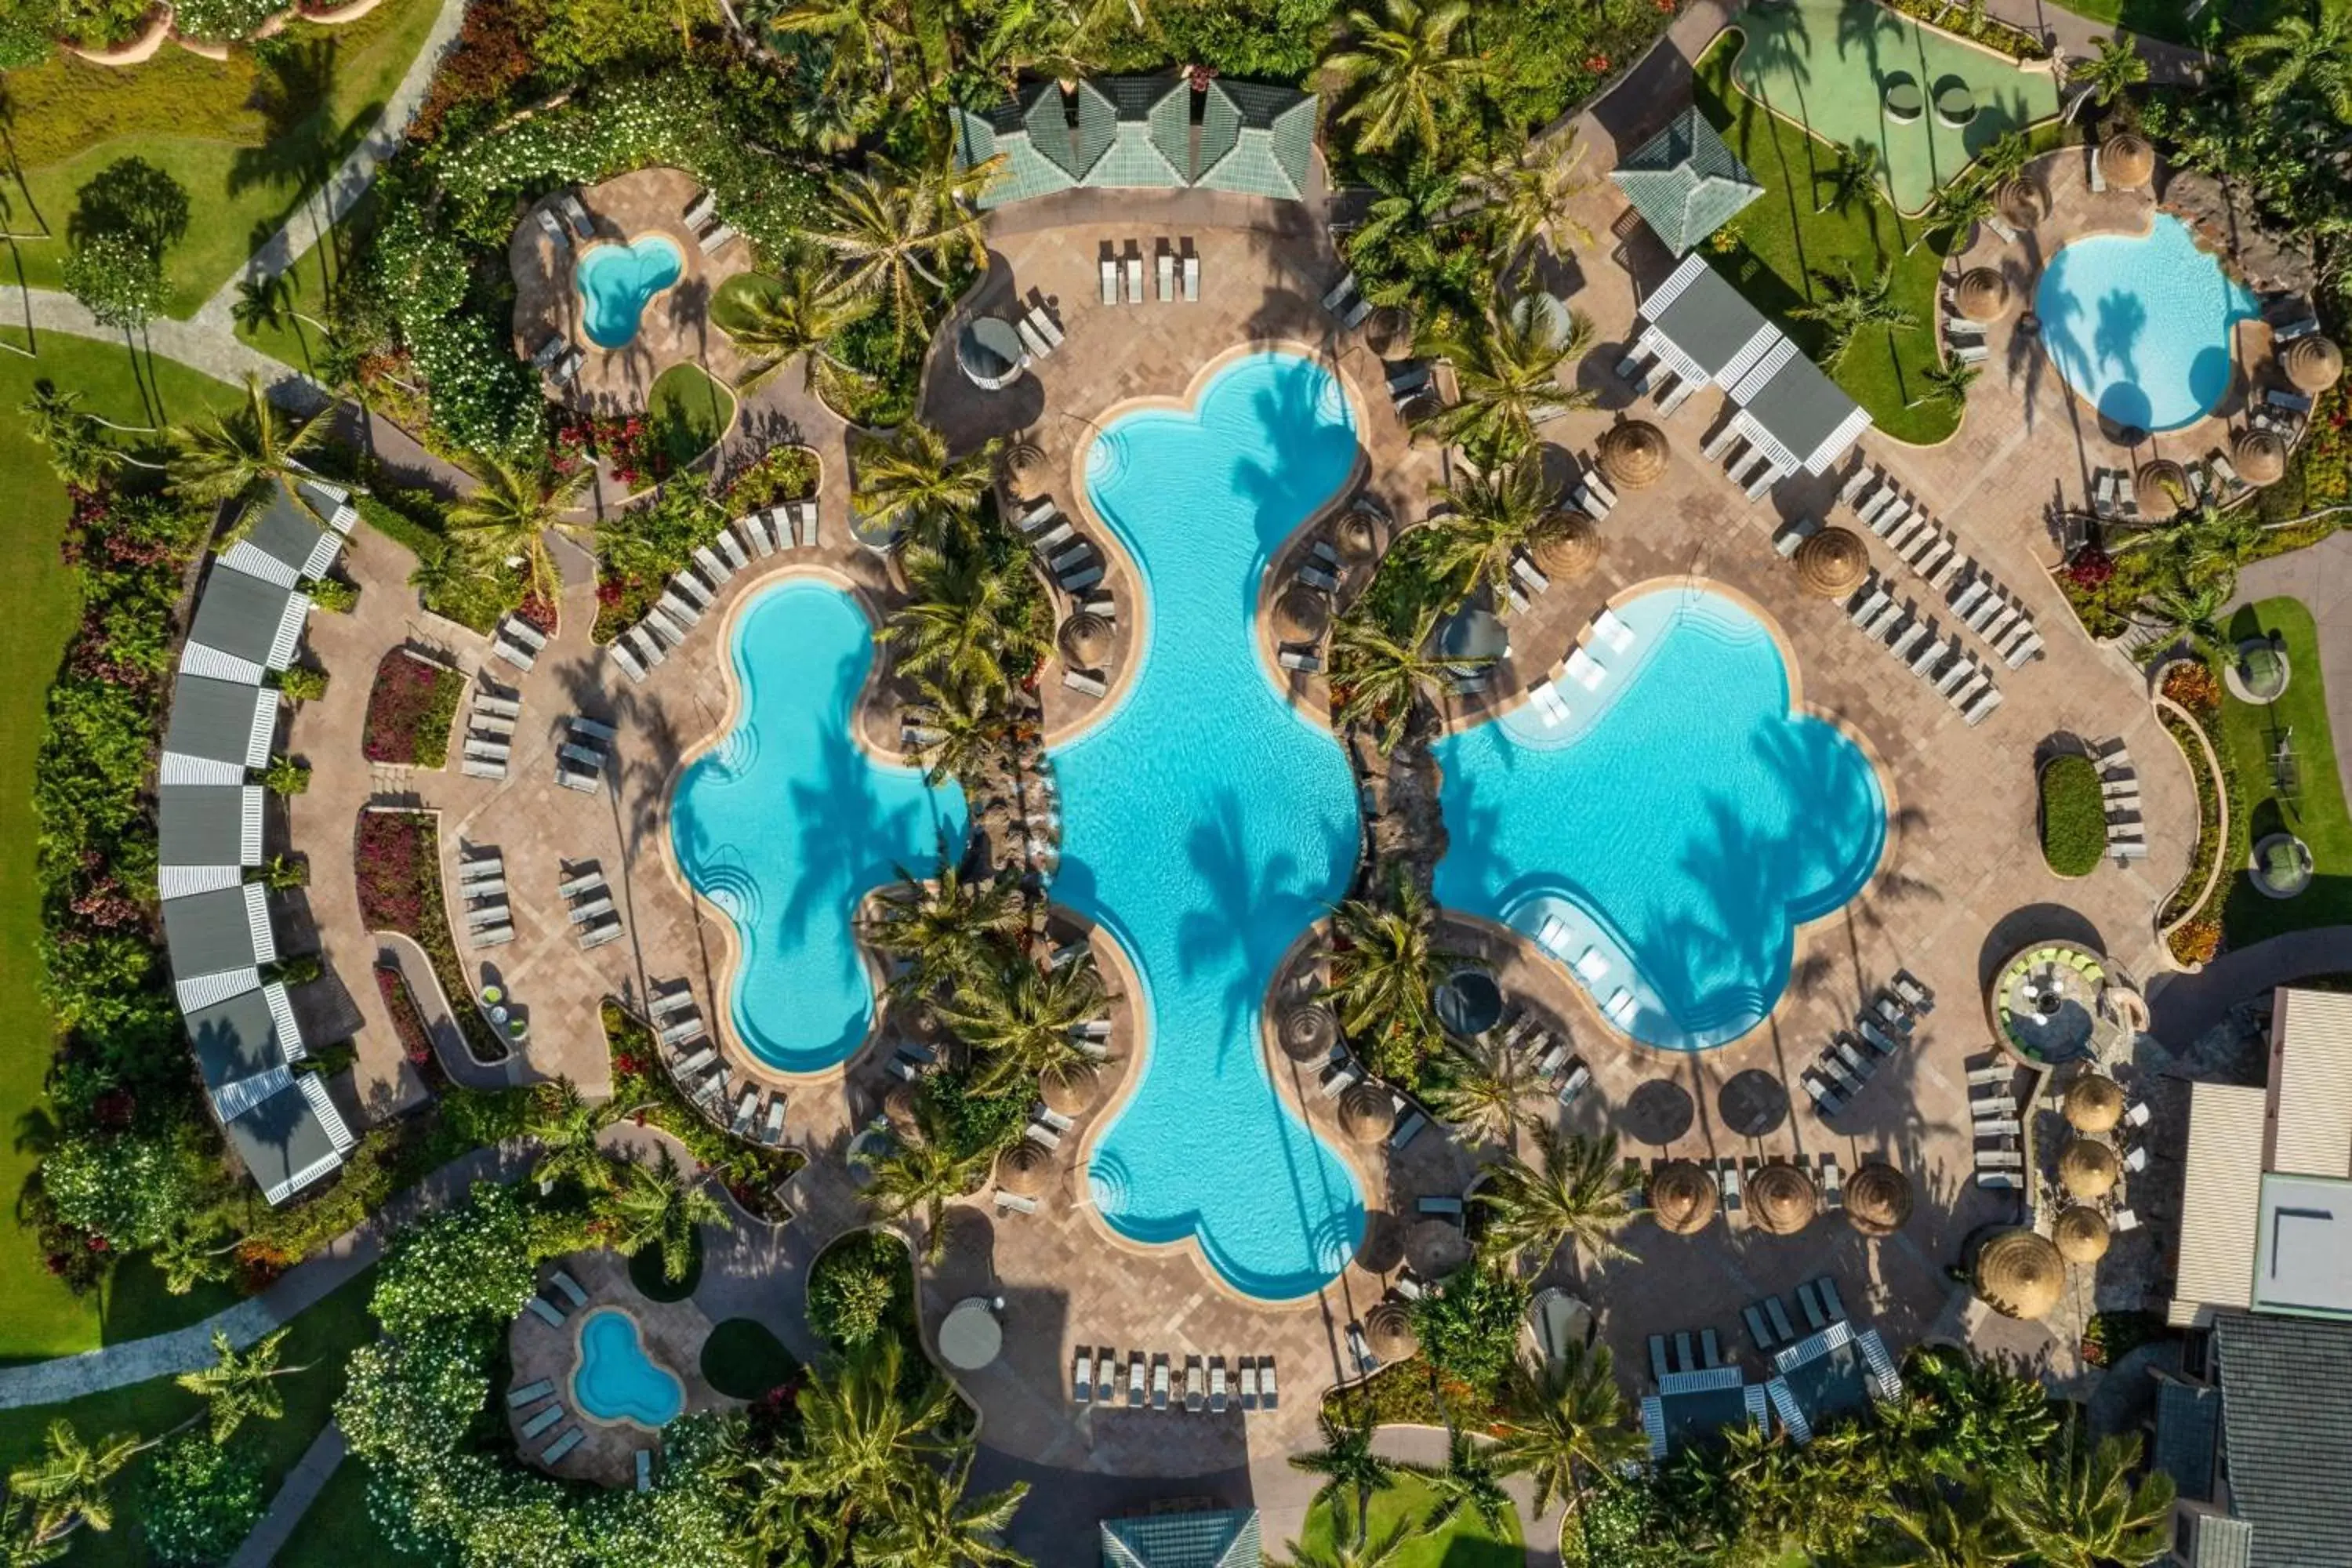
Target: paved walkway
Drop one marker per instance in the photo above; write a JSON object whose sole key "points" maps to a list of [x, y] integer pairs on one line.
{"points": [[300, 1488], [2186, 1006], [212, 347]]}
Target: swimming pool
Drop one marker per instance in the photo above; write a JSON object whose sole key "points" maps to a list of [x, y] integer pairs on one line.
{"points": [[2142, 326], [1206, 825], [787, 823], [616, 1380], [1669, 837], [616, 282]]}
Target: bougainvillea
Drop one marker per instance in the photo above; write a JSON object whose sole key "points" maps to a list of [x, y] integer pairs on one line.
{"points": [[409, 711]]}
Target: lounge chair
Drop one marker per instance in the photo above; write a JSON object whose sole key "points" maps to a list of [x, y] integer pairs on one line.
{"points": [[1216, 1385], [1658, 1358], [1758, 1334], [1083, 684], [571, 1289], [529, 1393], [1268, 1393], [1135, 279], [1592, 966], [546, 1311], [544, 1419], [1299, 659], [1135, 1379], [773, 1130], [1340, 290], [1622, 1008], [1779, 1317], [1191, 277], [1082, 1376], [1579, 1079], [1727, 1174], [1547, 701], [1441, 1206], [580, 222], [1249, 1385], [1160, 1383], [1167, 278], [1830, 1302], [744, 1109], [1196, 1385], [1810, 1303], [1584, 669], [1365, 1361], [1552, 934], [1109, 280], [554, 230]]}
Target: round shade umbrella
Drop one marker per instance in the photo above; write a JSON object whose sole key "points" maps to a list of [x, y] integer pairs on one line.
{"points": [[1633, 455], [1983, 294], [1571, 549], [1301, 614], [1877, 1199], [2019, 1274], [2088, 1168], [1069, 1088], [1389, 333], [1783, 1198], [1308, 1032], [1023, 1170], [899, 1108], [1085, 640], [1682, 1197], [2094, 1103], [1359, 541], [2159, 487], [2261, 457], [1832, 562], [2127, 161], [1389, 1330], [1383, 1247], [1024, 468], [2313, 363], [2080, 1234], [970, 1335], [1365, 1114], [2022, 202]]}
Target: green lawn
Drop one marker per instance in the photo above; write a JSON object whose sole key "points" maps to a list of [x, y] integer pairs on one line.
{"points": [[2313, 810], [325, 1335], [336, 1533], [38, 609], [1463, 1542], [241, 138], [291, 340], [688, 412], [1784, 246]]}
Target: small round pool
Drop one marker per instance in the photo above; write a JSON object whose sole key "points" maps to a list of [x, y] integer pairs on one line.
{"points": [[2141, 326], [616, 1380], [616, 282]]}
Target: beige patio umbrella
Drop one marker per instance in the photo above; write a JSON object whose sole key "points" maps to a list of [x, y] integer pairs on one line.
{"points": [[1023, 1170], [1682, 1197], [1389, 333], [1877, 1199], [2260, 456], [1300, 614], [2094, 1103], [1383, 1249], [1633, 455], [1308, 1032], [1571, 549], [2127, 161], [1832, 562], [2080, 1234], [1085, 640], [2022, 202], [1982, 294], [1365, 1114], [1388, 1329], [1358, 538], [1783, 1198], [2313, 363], [2019, 1274], [1023, 469], [2087, 1168], [1069, 1088], [2158, 489]]}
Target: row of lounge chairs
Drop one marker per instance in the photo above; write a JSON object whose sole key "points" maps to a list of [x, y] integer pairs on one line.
{"points": [[754, 1124], [702, 218], [1589, 490], [1754, 468], [518, 642], [1846, 1063], [581, 755], [1684, 1356], [2119, 801], [1554, 1057], [588, 905], [1169, 263], [1072, 558], [1609, 631], [482, 885], [1411, 380], [1899, 628], [1638, 370], [490, 715], [1039, 332], [1971, 591], [789, 525], [1769, 1327], [553, 1314], [1346, 301], [1094, 1380], [1590, 968]]}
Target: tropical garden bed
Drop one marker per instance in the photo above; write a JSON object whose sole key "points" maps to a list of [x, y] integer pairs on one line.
{"points": [[397, 858], [642, 1090], [410, 708], [2191, 915], [649, 543]]}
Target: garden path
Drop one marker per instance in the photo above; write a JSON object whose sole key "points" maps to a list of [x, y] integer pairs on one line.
{"points": [[300, 1488], [2321, 576], [200, 344]]}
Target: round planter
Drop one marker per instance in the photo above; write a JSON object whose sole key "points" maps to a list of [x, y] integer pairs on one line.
{"points": [[2236, 683], [2262, 852]]}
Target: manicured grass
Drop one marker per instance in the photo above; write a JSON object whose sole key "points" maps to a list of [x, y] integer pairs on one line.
{"points": [[743, 1360], [243, 138], [290, 340], [1784, 246], [1463, 1542], [336, 1533], [2073, 818], [2313, 810], [39, 607], [726, 304], [688, 412]]}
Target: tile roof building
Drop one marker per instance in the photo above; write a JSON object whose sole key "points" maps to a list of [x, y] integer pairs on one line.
{"points": [[1685, 181], [1200, 1538], [1142, 133]]}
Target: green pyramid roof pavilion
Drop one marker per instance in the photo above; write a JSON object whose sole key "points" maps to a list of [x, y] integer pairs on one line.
{"points": [[1685, 181]]}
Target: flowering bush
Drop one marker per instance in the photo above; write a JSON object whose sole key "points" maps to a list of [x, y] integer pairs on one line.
{"points": [[397, 858], [408, 1023], [627, 444], [2193, 687], [410, 710], [2198, 940], [2091, 569]]}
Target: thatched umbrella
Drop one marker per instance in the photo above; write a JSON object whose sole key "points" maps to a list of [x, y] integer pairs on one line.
{"points": [[1085, 640], [1365, 1114], [1633, 455], [1832, 562], [1023, 1170], [1783, 1198], [1359, 533], [1309, 1033], [2080, 1234], [1388, 1329], [1389, 333], [1571, 549], [2312, 363], [2022, 202], [1383, 1247], [2158, 489], [1069, 1088], [1982, 295], [1877, 1199], [1301, 614], [2127, 161], [1023, 469], [2261, 457], [899, 1108], [1682, 1197], [2094, 1103], [2019, 1274], [2088, 1168]]}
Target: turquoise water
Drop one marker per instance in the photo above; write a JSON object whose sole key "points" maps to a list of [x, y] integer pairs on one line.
{"points": [[1206, 825], [615, 281], [616, 1380], [2142, 327], [787, 823], [1679, 825]]}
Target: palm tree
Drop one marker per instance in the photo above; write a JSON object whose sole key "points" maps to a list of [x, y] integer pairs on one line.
{"points": [[1348, 1464], [1948, 382], [229, 454], [1402, 63], [932, 1524], [1401, 235], [922, 1174], [1958, 208], [1853, 178], [1480, 1087], [1345, 1552], [67, 1486], [1579, 1194], [2309, 53], [186, 1255], [1567, 1424], [864, 1435], [950, 930], [908, 484], [82, 457], [1378, 678], [965, 623], [800, 319], [887, 225], [660, 1205], [969, 726], [2105, 76], [1852, 306], [2078, 1508], [1021, 1019], [2191, 612], [865, 36], [1937, 1530], [1507, 373], [1386, 965], [239, 1385], [1531, 191], [1495, 515], [22, 1545], [1467, 1479], [564, 1124], [506, 516]]}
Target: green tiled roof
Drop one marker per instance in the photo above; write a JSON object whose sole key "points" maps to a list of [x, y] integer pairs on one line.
{"points": [[1217, 1539], [2286, 1416], [1025, 171], [1268, 146], [1135, 157], [1686, 183], [1137, 132]]}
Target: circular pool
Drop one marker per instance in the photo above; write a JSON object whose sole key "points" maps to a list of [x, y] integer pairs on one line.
{"points": [[2141, 326]]}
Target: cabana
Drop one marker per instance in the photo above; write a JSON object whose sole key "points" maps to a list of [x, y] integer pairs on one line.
{"points": [[216, 940], [209, 834], [220, 729], [244, 627], [289, 1139]]}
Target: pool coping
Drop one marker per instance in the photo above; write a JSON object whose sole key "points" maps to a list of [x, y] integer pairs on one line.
{"points": [[644, 1348]]}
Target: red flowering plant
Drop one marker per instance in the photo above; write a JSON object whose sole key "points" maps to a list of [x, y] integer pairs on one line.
{"points": [[2091, 569], [409, 711], [625, 444]]}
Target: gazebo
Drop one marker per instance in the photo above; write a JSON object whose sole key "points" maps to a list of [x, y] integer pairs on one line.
{"points": [[2088, 1168], [1681, 1198], [2313, 363], [1633, 455], [1877, 1199], [2094, 1103], [1685, 181], [2127, 161], [1832, 562], [2021, 1274], [2261, 457], [1783, 1198], [2080, 1234], [1308, 1032], [1982, 294]]}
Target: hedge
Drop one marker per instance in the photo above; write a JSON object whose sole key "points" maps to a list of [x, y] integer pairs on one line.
{"points": [[2074, 816]]}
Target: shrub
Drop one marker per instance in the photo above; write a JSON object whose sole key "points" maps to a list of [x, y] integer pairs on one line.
{"points": [[752, 1172], [408, 1023], [203, 1499], [2198, 940], [2193, 685], [861, 1285], [410, 710], [284, 775], [333, 595], [780, 474], [2074, 816], [301, 684], [1469, 1327]]}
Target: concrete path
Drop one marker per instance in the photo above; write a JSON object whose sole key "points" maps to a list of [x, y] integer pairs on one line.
{"points": [[2185, 1006], [300, 1488], [212, 347]]}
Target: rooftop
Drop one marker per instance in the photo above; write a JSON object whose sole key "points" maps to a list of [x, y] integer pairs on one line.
{"points": [[2286, 1412], [1685, 181]]}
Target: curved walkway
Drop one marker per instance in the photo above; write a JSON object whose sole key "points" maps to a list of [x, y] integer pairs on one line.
{"points": [[2186, 1006]]}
